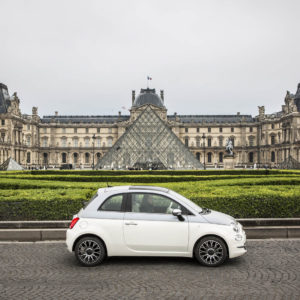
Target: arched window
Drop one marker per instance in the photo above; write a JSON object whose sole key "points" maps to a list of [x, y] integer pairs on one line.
{"points": [[198, 156], [208, 142], [221, 141], [209, 157], [75, 141], [198, 141], [28, 140], [64, 158], [98, 155], [28, 157], [45, 158], [273, 139], [272, 156], [75, 158], [221, 157], [251, 156], [87, 158]]}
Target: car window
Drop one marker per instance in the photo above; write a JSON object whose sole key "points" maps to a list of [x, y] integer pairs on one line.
{"points": [[152, 203], [114, 203]]}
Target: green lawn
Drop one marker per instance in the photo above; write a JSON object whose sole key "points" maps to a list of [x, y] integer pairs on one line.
{"points": [[56, 195]]}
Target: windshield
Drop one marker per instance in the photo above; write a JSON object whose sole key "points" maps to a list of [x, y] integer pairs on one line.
{"points": [[187, 201]]}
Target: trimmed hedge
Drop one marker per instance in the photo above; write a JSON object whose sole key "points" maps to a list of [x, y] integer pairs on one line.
{"points": [[53, 195]]}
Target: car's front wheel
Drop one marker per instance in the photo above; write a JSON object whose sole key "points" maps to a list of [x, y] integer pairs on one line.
{"points": [[90, 251], [211, 251]]}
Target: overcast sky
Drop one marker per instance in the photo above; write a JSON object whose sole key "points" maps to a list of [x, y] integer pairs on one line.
{"points": [[210, 57]]}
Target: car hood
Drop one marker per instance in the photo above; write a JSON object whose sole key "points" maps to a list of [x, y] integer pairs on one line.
{"points": [[219, 218]]}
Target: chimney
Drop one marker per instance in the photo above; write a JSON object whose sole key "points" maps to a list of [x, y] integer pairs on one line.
{"points": [[34, 110], [133, 97], [162, 95], [119, 113], [261, 112], [56, 113], [238, 113]]}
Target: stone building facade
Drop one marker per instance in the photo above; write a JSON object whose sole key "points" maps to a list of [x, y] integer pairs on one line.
{"points": [[50, 141]]}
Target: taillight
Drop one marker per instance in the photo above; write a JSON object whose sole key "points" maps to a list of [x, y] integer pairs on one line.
{"points": [[74, 221]]}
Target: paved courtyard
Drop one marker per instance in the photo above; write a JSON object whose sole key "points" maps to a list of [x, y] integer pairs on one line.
{"points": [[270, 270]]}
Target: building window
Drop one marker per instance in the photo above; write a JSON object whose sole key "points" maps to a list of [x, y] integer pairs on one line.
{"points": [[198, 141], [186, 130], [64, 130], [86, 142], [98, 142], [87, 158], [220, 157], [208, 129], [220, 129], [75, 156], [86, 130], [232, 129], [272, 126], [198, 156], [220, 141], [209, 157], [2, 122], [45, 142], [251, 141], [76, 142], [109, 130], [28, 126], [251, 129], [64, 142], [272, 156], [198, 129], [45, 158], [209, 142], [75, 130], [28, 140], [28, 159], [250, 157], [186, 141], [109, 142], [64, 158], [272, 139], [2, 136], [98, 130], [45, 130]]}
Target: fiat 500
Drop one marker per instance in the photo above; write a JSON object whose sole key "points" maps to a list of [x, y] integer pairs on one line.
{"points": [[152, 221]]}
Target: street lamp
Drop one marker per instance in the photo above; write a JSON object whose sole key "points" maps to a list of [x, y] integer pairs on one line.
{"points": [[204, 137], [93, 137]]}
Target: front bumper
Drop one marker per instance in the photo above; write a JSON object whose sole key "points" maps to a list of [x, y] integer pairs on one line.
{"points": [[238, 248]]}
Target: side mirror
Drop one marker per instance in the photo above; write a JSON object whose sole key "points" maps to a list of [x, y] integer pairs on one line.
{"points": [[178, 213]]}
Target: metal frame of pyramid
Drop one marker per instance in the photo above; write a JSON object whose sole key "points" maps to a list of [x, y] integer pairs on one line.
{"points": [[148, 143], [290, 163], [10, 165]]}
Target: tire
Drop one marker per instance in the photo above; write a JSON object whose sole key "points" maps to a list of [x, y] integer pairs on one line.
{"points": [[211, 251], [90, 251]]}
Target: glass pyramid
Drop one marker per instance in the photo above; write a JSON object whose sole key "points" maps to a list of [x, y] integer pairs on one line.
{"points": [[148, 143], [10, 165]]}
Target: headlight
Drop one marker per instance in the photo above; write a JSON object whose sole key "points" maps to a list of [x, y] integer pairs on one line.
{"points": [[235, 226], [238, 237]]}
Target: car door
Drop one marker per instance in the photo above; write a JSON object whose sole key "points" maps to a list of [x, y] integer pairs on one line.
{"points": [[149, 225]]}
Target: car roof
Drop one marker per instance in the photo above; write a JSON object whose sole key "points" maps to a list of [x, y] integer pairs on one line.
{"points": [[134, 188]]}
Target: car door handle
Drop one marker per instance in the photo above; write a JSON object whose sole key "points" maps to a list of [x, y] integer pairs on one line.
{"points": [[130, 223]]}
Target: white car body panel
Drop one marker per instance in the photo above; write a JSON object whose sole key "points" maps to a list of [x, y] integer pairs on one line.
{"points": [[152, 234]]}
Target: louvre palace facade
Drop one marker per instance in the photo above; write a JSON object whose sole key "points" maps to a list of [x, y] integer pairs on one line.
{"points": [[148, 137]]}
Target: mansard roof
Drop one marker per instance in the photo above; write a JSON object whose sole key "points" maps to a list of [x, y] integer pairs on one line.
{"points": [[219, 119], [84, 119], [108, 119]]}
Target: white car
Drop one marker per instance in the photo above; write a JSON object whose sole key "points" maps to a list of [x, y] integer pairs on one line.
{"points": [[152, 221]]}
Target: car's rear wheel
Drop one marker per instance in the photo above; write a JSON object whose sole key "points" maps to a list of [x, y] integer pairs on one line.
{"points": [[90, 251], [211, 251]]}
